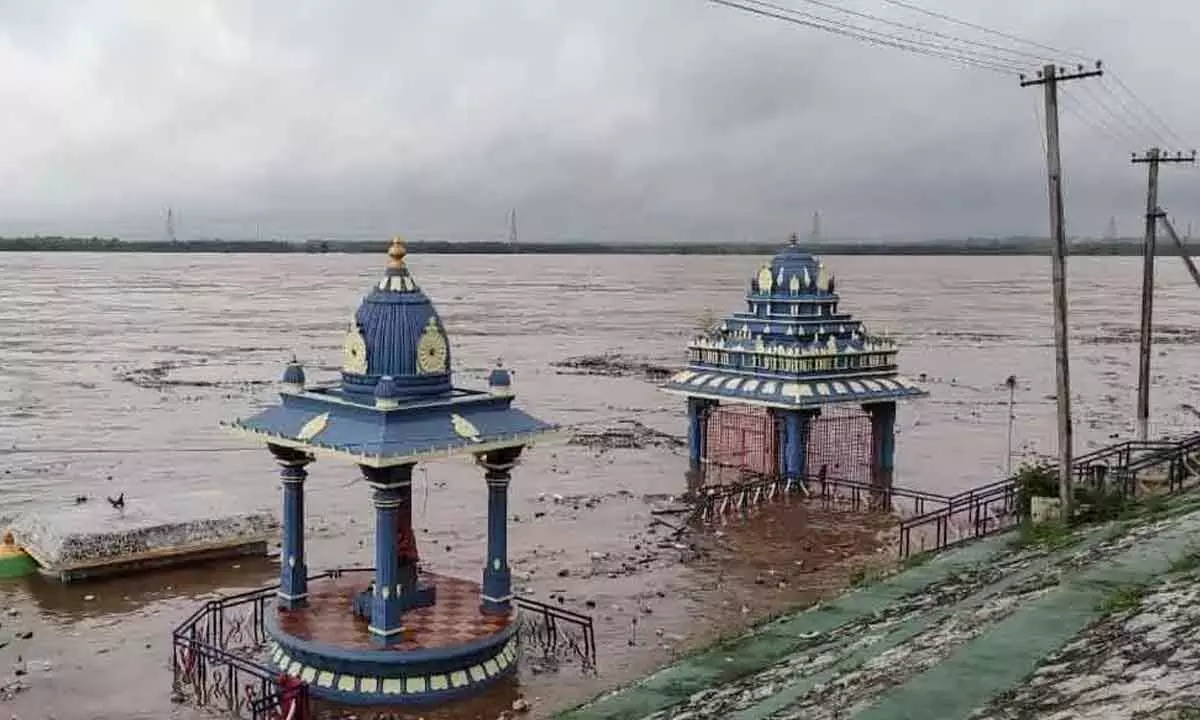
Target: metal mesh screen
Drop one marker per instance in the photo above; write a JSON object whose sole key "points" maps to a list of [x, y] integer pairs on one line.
{"points": [[741, 439], [745, 439], [840, 440]]}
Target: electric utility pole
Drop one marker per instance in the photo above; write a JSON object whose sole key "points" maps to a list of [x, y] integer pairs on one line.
{"points": [[1153, 158], [1049, 78]]}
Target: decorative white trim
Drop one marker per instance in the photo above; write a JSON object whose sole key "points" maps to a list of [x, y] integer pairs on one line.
{"points": [[506, 598], [284, 596], [389, 486], [377, 461], [818, 401], [384, 633]]}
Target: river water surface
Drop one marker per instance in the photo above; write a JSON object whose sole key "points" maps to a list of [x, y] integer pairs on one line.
{"points": [[115, 369]]}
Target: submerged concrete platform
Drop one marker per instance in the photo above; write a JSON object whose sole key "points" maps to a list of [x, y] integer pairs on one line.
{"points": [[95, 539], [1099, 623]]}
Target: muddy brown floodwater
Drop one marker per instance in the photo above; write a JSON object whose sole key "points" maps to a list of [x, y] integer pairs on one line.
{"points": [[115, 369]]}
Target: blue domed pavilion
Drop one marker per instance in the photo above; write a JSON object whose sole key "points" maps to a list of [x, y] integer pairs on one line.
{"points": [[398, 634], [758, 382]]}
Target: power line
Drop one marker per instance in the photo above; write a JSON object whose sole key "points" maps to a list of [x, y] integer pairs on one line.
{"points": [[1074, 107], [1037, 114], [1144, 133], [870, 36], [934, 33], [1007, 36], [1122, 121], [1150, 111], [1117, 124], [1157, 133]]}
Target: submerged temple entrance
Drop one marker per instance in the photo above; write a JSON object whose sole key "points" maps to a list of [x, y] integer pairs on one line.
{"points": [[742, 439], [792, 388]]}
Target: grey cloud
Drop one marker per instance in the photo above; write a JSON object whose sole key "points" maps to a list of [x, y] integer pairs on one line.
{"points": [[617, 120]]}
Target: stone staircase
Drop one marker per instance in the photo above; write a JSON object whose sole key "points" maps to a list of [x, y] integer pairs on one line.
{"points": [[1072, 626]]}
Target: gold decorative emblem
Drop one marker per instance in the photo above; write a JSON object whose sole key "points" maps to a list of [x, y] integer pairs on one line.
{"points": [[765, 281], [313, 427], [464, 428], [822, 278], [354, 351], [432, 351]]}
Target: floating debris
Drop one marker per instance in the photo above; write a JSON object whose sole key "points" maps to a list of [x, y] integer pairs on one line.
{"points": [[612, 365], [627, 434]]}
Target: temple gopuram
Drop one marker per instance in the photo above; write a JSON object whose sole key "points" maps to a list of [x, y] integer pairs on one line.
{"points": [[792, 386], [394, 634]]}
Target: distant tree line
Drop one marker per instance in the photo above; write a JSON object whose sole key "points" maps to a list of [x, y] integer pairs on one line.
{"points": [[968, 246]]}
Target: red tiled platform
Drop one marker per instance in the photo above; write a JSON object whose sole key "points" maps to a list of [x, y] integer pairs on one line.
{"points": [[455, 619]]}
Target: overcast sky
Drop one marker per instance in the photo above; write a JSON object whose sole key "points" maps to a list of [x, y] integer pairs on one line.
{"points": [[604, 120]]}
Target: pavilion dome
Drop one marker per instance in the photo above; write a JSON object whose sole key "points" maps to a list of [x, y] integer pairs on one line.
{"points": [[293, 374], [397, 333], [792, 271]]}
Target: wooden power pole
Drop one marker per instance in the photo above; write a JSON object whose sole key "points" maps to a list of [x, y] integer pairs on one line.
{"points": [[1153, 158], [1049, 78]]}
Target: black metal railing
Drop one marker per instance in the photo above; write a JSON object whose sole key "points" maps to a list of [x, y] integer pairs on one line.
{"points": [[215, 661], [217, 652], [556, 630], [859, 496], [991, 508], [755, 488]]}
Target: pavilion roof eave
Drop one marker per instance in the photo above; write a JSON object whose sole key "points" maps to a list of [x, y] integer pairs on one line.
{"points": [[791, 393], [813, 403], [378, 460]]}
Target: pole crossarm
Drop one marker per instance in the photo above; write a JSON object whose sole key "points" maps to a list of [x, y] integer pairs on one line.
{"points": [[1043, 77], [1156, 155]]}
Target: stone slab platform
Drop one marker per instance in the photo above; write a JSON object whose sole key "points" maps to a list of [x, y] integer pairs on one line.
{"points": [[95, 539]]}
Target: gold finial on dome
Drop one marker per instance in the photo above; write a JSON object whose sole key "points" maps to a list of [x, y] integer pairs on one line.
{"points": [[396, 254]]}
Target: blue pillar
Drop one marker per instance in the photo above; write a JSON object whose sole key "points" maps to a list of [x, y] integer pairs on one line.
{"points": [[795, 443], [392, 488], [496, 597], [293, 574], [883, 442], [697, 430]]}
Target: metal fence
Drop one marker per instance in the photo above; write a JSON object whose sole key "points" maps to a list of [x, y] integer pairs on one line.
{"points": [[216, 653], [831, 492], [213, 663], [1122, 468]]}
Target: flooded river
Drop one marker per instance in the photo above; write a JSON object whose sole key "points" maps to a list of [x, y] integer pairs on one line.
{"points": [[115, 369]]}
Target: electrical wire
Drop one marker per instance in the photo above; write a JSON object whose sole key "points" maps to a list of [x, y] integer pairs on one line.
{"points": [[934, 33], [1149, 110], [1056, 52], [857, 33], [1041, 124], [1120, 121], [1129, 131], [1074, 107]]}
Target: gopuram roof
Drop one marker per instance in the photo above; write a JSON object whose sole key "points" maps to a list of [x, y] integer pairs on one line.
{"points": [[396, 402], [792, 348]]}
